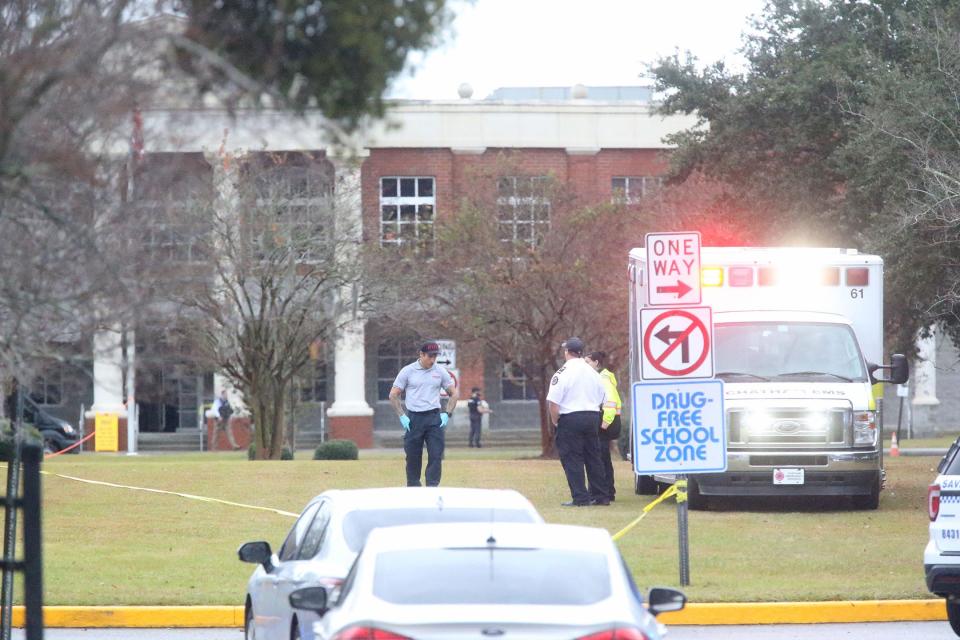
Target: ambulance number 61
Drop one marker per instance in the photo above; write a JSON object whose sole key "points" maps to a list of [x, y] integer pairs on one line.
{"points": [[856, 293]]}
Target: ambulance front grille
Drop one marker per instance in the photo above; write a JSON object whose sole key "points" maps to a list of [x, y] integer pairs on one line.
{"points": [[783, 427]]}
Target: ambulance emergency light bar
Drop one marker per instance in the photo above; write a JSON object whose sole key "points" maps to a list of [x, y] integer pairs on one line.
{"points": [[748, 276]]}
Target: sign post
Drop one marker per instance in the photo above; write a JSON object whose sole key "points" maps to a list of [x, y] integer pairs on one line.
{"points": [[678, 416]]}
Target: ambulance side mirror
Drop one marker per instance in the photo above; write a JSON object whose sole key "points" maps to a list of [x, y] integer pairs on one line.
{"points": [[899, 370]]}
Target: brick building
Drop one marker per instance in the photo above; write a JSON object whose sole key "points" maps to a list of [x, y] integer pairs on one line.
{"points": [[408, 170]]}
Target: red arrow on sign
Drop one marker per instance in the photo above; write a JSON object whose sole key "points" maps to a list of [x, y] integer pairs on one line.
{"points": [[681, 289]]}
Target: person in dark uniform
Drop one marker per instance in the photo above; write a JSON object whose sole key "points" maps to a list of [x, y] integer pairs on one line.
{"points": [[609, 422], [478, 407], [575, 397], [420, 415]]}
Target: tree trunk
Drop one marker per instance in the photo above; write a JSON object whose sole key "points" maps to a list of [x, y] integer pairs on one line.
{"points": [[269, 420], [548, 444]]}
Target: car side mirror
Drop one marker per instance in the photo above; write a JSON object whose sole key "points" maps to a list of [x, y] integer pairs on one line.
{"points": [[310, 599], [661, 599], [257, 553], [899, 370]]}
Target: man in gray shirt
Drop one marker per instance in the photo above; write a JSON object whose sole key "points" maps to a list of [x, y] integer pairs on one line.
{"points": [[423, 421]]}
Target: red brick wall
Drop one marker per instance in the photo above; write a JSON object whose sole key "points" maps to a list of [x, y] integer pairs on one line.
{"points": [[461, 175], [217, 439], [358, 429]]}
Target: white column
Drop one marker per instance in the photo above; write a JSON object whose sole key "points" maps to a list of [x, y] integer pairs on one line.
{"points": [[349, 353], [108, 372], [925, 371], [133, 416], [226, 165]]}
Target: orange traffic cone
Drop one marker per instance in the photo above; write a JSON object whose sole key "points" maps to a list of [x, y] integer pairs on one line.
{"points": [[894, 447]]}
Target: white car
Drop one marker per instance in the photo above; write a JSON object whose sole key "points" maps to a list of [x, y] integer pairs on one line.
{"points": [[460, 581], [331, 530], [941, 558]]}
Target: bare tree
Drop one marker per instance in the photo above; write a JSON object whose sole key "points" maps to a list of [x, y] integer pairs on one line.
{"points": [[520, 267], [273, 274]]}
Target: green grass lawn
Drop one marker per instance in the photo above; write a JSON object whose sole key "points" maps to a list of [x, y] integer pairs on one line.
{"points": [[113, 546]]}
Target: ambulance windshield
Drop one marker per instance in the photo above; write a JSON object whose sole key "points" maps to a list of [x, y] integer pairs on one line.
{"points": [[787, 352]]}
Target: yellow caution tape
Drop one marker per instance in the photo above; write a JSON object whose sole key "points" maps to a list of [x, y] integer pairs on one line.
{"points": [[189, 496], [681, 486], [671, 491]]}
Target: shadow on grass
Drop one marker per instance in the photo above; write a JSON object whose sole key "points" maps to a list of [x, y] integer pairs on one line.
{"points": [[782, 504]]}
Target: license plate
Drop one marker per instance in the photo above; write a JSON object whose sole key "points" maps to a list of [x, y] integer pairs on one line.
{"points": [[788, 476]]}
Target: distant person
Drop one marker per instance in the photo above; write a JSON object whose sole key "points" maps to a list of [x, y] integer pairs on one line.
{"points": [[575, 396], [478, 408], [609, 421], [420, 415], [223, 411]]}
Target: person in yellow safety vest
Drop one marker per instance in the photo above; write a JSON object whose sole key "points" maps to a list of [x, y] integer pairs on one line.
{"points": [[609, 421]]}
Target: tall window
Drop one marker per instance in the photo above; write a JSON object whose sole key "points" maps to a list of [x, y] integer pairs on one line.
{"points": [[632, 189], [392, 355], [523, 209], [407, 210], [176, 190], [47, 387], [312, 383], [293, 196], [514, 384]]}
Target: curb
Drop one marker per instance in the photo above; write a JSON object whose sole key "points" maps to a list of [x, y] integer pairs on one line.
{"points": [[694, 614]]}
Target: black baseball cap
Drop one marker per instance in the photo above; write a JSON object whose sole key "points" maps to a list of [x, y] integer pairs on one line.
{"points": [[573, 345], [430, 348]]}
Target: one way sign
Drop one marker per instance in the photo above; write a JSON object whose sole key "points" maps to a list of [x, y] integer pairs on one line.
{"points": [[673, 268]]}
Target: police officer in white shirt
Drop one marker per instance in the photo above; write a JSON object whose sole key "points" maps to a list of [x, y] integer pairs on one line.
{"points": [[575, 396]]}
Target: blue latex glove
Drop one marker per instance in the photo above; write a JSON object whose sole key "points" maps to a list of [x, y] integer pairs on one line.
{"points": [[405, 421], [444, 419]]}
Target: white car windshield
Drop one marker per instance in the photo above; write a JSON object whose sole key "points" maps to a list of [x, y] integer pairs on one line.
{"points": [[800, 351], [492, 576], [358, 524]]}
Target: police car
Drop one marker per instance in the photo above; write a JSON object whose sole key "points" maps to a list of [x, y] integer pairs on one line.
{"points": [[941, 558]]}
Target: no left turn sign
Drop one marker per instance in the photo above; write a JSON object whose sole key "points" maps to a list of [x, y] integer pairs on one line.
{"points": [[676, 343]]}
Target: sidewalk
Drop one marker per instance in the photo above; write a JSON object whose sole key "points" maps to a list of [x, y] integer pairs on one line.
{"points": [[735, 613]]}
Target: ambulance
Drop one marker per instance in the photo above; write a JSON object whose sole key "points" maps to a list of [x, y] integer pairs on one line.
{"points": [[798, 342]]}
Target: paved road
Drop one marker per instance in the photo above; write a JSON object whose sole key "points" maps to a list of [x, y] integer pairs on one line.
{"points": [[859, 631]]}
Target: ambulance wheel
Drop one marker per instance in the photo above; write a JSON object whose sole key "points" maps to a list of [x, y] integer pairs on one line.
{"points": [[647, 486], [953, 615], [871, 501], [695, 500]]}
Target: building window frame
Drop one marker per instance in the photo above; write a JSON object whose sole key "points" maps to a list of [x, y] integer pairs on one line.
{"points": [[523, 209], [312, 381], [408, 210], [392, 355], [299, 194], [633, 189], [515, 386], [47, 386]]}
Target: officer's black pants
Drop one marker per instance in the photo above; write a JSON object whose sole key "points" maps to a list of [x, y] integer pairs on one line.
{"points": [[608, 489], [475, 423], [424, 429], [579, 449]]}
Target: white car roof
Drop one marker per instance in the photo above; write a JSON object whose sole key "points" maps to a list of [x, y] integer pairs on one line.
{"points": [[400, 497], [720, 317], [475, 534]]}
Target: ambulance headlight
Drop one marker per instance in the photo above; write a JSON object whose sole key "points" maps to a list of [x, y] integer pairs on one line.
{"points": [[865, 428], [817, 421]]}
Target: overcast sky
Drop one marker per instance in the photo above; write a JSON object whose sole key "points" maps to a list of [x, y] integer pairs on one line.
{"points": [[497, 43]]}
